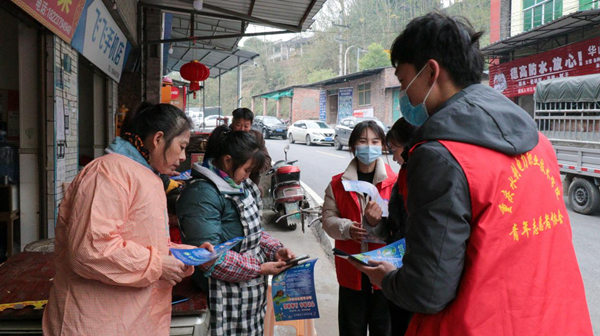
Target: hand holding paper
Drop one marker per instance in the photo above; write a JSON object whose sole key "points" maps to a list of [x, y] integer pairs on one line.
{"points": [[369, 189], [200, 256], [373, 213]]}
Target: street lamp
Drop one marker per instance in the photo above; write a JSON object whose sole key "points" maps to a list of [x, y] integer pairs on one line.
{"points": [[358, 50], [254, 65]]}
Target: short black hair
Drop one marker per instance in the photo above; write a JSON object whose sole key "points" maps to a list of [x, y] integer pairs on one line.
{"points": [[360, 128], [241, 146], [243, 113], [451, 41], [400, 133]]}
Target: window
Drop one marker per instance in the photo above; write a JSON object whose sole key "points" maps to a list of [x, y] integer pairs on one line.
{"points": [[539, 12], [364, 94], [588, 4], [317, 124]]}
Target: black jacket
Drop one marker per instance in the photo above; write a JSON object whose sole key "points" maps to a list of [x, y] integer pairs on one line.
{"points": [[439, 203]]}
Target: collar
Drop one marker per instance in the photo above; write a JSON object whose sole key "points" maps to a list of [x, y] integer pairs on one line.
{"points": [[123, 147], [222, 186], [351, 173]]}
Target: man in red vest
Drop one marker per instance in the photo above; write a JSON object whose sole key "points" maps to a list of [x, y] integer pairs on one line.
{"points": [[489, 244]]}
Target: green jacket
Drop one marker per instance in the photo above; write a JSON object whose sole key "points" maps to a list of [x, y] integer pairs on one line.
{"points": [[205, 215]]}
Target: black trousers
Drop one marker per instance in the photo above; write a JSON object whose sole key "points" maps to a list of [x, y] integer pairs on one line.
{"points": [[366, 308], [400, 319]]}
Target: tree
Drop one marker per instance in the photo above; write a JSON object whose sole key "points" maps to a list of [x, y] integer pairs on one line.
{"points": [[320, 75], [375, 58]]}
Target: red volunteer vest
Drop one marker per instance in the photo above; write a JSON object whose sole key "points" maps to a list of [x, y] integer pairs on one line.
{"points": [[349, 207], [520, 276]]}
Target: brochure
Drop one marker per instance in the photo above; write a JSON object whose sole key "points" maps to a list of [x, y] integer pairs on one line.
{"points": [[199, 256], [184, 176], [391, 253], [294, 294]]}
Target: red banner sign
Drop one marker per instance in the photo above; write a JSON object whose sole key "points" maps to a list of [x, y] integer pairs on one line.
{"points": [[519, 77], [60, 16]]}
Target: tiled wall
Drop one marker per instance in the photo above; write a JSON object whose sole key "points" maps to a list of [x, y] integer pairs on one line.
{"points": [[62, 87]]}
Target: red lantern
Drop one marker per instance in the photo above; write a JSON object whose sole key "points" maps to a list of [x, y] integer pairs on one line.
{"points": [[195, 72]]}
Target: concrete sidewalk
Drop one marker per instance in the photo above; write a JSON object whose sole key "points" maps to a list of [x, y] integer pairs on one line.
{"points": [[325, 278]]}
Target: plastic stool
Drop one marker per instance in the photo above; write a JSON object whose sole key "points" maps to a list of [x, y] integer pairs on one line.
{"points": [[303, 327]]}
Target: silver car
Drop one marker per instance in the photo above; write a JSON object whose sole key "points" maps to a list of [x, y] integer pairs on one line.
{"points": [[345, 127]]}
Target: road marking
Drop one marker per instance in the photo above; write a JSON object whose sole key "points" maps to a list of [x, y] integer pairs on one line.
{"points": [[337, 156]]}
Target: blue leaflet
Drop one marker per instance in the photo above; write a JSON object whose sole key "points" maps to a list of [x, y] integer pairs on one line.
{"points": [[199, 256], [391, 253]]}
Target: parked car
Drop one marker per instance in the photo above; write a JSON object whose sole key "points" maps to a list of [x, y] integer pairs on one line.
{"points": [[210, 121], [344, 128], [196, 115], [270, 126], [311, 132]]}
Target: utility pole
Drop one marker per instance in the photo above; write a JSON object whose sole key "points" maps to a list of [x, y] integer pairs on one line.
{"points": [[341, 41]]}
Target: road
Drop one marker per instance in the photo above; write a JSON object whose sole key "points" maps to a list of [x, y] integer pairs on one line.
{"points": [[319, 163]]}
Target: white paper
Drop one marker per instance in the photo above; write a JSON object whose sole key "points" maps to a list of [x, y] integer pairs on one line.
{"points": [[59, 116], [369, 189]]}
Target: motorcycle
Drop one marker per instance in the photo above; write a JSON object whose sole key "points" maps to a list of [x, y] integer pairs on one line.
{"points": [[286, 191]]}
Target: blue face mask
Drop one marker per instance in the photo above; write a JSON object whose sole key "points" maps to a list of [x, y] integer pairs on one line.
{"points": [[367, 154], [415, 115]]}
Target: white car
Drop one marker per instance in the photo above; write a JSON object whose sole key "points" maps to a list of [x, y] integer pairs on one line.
{"points": [[311, 132], [210, 121]]}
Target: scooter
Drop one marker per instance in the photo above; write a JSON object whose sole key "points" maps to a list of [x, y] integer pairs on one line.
{"points": [[288, 194]]}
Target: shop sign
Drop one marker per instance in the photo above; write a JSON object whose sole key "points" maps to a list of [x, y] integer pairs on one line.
{"points": [[365, 112], [520, 77], [60, 16], [100, 40], [174, 93], [323, 105]]}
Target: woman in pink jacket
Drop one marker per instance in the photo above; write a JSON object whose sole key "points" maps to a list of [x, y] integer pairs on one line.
{"points": [[114, 274]]}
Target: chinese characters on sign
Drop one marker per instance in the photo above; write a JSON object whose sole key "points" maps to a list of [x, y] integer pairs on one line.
{"points": [[344, 103], [60, 16], [323, 105], [519, 77], [100, 40]]}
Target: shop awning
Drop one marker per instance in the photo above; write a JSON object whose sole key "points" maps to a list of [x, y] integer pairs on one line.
{"points": [[579, 89], [346, 78], [279, 94], [220, 25], [558, 27]]}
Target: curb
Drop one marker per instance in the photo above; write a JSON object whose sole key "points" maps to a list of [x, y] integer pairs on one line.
{"points": [[326, 242]]}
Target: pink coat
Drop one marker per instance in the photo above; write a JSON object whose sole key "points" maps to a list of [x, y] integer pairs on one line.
{"points": [[112, 229]]}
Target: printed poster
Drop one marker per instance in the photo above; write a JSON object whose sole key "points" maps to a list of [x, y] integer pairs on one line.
{"points": [[199, 256], [294, 294], [345, 103]]}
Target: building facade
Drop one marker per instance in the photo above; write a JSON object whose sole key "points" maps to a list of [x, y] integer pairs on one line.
{"points": [[59, 93], [536, 40]]}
